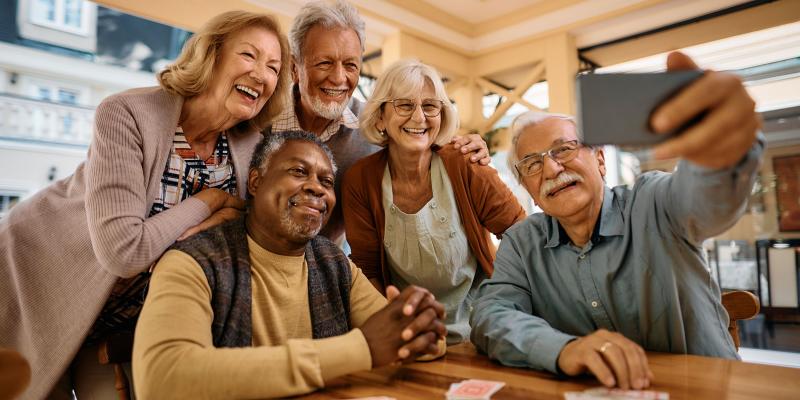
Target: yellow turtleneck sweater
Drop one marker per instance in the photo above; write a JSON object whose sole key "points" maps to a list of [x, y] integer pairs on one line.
{"points": [[173, 355]]}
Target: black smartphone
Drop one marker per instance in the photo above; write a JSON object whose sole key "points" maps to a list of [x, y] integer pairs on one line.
{"points": [[616, 108]]}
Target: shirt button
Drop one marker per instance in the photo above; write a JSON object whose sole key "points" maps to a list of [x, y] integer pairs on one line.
{"points": [[594, 304], [582, 256], [392, 209], [442, 219], [388, 227], [433, 205], [452, 234], [388, 243]]}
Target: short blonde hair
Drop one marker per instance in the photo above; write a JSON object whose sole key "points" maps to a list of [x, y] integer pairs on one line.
{"points": [[405, 79], [193, 70]]}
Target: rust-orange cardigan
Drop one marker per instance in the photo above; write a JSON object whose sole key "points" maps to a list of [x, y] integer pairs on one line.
{"points": [[484, 203]]}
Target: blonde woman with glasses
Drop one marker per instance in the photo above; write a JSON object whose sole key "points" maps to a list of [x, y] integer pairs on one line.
{"points": [[418, 212]]}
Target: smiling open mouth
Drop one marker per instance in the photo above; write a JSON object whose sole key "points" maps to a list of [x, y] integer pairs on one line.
{"points": [[558, 190], [334, 92], [248, 91], [416, 131]]}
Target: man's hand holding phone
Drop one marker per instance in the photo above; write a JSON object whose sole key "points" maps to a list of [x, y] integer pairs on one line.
{"points": [[704, 117], [726, 132]]}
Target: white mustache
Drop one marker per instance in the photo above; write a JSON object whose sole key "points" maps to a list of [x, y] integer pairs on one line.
{"points": [[563, 179]]}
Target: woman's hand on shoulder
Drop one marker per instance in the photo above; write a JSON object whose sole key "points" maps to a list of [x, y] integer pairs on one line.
{"points": [[223, 206], [217, 199], [220, 216]]}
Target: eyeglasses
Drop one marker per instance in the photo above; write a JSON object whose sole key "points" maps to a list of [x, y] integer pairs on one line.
{"points": [[533, 164], [405, 107]]}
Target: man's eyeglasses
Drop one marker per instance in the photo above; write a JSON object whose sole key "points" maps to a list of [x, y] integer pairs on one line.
{"points": [[405, 107], [533, 164]]}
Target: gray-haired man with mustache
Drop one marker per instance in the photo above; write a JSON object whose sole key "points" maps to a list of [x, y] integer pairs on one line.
{"points": [[605, 274]]}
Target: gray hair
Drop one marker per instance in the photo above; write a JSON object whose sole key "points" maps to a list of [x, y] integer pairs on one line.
{"points": [[273, 142], [522, 122], [341, 14]]}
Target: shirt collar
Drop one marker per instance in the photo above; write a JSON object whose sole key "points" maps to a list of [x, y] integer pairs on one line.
{"points": [[610, 222], [287, 120]]}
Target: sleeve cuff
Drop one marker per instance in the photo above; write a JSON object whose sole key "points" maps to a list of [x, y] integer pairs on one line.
{"points": [[546, 349], [344, 354]]}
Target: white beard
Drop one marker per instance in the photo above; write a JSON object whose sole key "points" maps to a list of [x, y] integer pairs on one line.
{"points": [[331, 111]]}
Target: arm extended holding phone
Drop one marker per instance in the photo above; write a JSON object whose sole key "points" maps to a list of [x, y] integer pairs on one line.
{"points": [[704, 117]]}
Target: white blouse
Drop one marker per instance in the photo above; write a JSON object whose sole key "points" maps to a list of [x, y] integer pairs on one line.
{"points": [[430, 249]]}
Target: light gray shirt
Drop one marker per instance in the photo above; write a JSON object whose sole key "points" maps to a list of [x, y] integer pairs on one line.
{"points": [[429, 248], [643, 274]]}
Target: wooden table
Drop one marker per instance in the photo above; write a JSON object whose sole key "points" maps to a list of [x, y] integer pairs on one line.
{"points": [[684, 377]]}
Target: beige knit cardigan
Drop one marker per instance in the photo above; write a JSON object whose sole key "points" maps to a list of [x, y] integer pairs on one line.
{"points": [[62, 250]]}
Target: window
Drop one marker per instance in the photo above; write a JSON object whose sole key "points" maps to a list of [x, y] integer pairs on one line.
{"points": [[8, 200], [66, 15], [67, 96], [55, 91], [67, 23], [42, 93]]}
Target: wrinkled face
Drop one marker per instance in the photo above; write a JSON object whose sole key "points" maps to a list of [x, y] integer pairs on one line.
{"points": [[329, 70], [416, 132], [562, 190], [294, 197], [246, 72]]}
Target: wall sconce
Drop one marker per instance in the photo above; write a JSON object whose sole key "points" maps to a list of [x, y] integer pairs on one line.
{"points": [[12, 79]]}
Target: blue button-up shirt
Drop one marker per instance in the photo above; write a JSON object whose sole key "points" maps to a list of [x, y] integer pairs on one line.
{"points": [[643, 274]]}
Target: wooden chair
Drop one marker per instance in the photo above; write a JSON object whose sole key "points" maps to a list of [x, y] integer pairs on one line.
{"points": [[740, 304], [15, 374], [116, 350]]}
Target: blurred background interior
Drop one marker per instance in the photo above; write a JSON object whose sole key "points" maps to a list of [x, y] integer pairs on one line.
{"points": [[60, 58]]}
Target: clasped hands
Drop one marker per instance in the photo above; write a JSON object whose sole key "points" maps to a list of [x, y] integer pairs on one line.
{"points": [[408, 327]]}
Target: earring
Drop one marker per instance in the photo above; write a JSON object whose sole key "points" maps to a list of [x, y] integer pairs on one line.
{"points": [[383, 132]]}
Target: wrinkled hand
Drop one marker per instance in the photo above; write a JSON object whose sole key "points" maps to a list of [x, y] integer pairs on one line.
{"points": [[614, 359], [419, 300], [216, 199], [407, 327], [220, 216], [472, 143], [725, 133]]}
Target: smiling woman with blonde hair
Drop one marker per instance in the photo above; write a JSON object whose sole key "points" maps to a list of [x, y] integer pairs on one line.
{"points": [[417, 212], [165, 162]]}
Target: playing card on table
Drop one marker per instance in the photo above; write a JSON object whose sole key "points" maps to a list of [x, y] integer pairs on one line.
{"points": [[616, 394], [473, 389]]}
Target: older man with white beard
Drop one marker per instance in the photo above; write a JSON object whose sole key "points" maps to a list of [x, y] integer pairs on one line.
{"points": [[327, 42], [604, 274]]}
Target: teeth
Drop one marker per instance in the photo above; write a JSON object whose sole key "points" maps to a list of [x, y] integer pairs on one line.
{"points": [[252, 92], [333, 92], [415, 131]]}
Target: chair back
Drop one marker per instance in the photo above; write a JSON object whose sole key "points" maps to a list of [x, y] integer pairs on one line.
{"points": [[740, 304]]}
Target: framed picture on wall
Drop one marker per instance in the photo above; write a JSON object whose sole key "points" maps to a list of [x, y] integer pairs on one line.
{"points": [[787, 191]]}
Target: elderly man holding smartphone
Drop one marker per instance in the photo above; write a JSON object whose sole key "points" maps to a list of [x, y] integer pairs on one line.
{"points": [[605, 274]]}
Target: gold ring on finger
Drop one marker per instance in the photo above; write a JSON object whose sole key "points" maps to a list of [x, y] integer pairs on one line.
{"points": [[605, 347]]}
